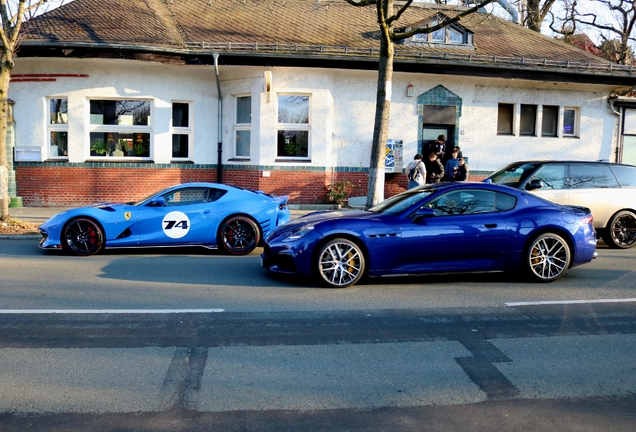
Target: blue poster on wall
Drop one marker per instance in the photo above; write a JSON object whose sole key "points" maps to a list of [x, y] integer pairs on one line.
{"points": [[393, 156]]}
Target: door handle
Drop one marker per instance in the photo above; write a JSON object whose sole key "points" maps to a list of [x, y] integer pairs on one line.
{"points": [[206, 212], [490, 225]]}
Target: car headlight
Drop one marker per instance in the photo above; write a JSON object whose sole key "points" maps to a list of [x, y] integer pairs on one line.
{"points": [[299, 234]]}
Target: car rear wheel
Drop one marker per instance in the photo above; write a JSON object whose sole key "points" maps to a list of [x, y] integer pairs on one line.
{"points": [[621, 231], [340, 263], [239, 235], [82, 237], [547, 257]]}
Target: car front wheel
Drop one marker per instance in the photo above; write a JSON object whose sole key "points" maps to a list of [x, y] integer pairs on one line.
{"points": [[340, 263], [547, 258], [239, 235], [621, 231], [82, 237]]}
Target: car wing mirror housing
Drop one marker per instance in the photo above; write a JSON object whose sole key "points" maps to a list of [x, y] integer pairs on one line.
{"points": [[534, 184], [157, 202], [423, 213]]}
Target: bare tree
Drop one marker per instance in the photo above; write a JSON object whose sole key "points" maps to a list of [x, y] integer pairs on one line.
{"points": [[614, 19], [12, 13], [389, 34], [536, 12]]}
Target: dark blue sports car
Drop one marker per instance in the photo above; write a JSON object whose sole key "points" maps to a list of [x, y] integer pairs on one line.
{"points": [[445, 227], [192, 214]]}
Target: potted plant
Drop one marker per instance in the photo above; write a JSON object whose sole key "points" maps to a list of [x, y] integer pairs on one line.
{"points": [[338, 192], [99, 148]]}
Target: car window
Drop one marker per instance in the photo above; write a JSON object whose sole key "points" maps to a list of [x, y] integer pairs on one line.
{"points": [[187, 196], [586, 176], [626, 175], [400, 202], [464, 202], [551, 176], [215, 194], [505, 202], [513, 175]]}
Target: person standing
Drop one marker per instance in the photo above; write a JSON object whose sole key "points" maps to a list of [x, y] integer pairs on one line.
{"points": [[434, 169], [462, 170], [451, 166], [416, 172]]}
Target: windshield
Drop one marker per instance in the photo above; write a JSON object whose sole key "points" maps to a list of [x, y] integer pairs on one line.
{"points": [[513, 175], [401, 202]]}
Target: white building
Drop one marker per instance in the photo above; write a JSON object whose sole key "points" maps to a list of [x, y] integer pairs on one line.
{"points": [[113, 103]]}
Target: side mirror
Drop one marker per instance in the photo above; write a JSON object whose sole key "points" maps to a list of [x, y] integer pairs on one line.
{"points": [[534, 184], [422, 213], [157, 202], [487, 180]]}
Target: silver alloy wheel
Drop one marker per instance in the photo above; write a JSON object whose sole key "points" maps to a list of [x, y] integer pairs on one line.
{"points": [[239, 235], [82, 237], [548, 257], [340, 263], [621, 232]]}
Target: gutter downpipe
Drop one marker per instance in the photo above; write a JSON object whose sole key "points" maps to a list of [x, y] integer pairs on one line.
{"points": [[619, 130], [219, 169]]}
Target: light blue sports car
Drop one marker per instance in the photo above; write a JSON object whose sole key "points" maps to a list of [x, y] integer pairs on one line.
{"points": [[192, 214]]}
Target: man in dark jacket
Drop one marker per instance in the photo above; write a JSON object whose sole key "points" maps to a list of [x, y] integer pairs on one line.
{"points": [[434, 169]]}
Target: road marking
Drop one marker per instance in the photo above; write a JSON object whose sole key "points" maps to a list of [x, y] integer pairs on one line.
{"points": [[107, 311], [570, 302]]}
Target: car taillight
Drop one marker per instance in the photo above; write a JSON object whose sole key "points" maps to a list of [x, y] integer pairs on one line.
{"points": [[282, 206], [589, 219]]}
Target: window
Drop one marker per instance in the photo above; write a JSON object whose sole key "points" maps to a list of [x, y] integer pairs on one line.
{"points": [[570, 122], [447, 35], [626, 175], [58, 128], [552, 176], [243, 126], [549, 121], [120, 128], [586, 176], [293, 126], [505, 118], [528, 120], [181, 130], [464, 202]]}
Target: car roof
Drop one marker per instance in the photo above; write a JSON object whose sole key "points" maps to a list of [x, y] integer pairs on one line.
{"points": [[602, 161]]}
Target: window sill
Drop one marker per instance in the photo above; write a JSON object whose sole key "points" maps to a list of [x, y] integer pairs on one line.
{"points": [[57, 160], [239, 160], [293, 161], [181, 161], [111, 160]]}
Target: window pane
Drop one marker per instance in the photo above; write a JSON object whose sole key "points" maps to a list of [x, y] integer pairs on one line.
{"points": [[455, 36], [180, 145], [59, 143], [180, 114], [439, 35], [119, 144], [528, 119], [505, 202], [59, 111], [549, 122], [552, 176], [592, 176], [124, 112], [244, 109], [243, 143], [293, 143], [569, 118], [504, 119], [293, 109], [626, 175]]}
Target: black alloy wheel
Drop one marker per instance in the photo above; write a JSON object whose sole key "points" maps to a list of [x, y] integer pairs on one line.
{"points": [[239, 235], [82, 237], [621, 232]]}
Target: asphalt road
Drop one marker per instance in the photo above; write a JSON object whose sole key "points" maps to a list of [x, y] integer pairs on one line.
{"points": [[427, 353]]}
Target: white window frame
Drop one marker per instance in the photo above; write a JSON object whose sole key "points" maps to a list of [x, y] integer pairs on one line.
{"points": [[295, 127], [149, 129], [577, 122], [242, 127], [55, 128], [181, 130]]}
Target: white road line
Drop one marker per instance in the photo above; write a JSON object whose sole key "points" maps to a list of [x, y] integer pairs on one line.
{"points": [[107, 311], [553, 302]]}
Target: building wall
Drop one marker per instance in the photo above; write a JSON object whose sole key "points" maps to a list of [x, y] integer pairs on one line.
{"points": [[342, 117]]}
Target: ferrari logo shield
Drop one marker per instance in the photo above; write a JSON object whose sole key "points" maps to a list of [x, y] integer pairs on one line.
{"points": [[127, 215]]}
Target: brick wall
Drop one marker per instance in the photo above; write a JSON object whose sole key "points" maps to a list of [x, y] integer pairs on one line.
{"points": [[61, 186]]}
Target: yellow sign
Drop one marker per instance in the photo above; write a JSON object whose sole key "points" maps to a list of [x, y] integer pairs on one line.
{"points": [[127, 215]]}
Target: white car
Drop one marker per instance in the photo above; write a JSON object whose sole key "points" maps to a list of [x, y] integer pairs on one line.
{"points": [[608, 189]]}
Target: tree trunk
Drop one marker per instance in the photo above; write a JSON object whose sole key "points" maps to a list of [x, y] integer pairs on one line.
{"points": [[381, 125], [6, 65]]}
